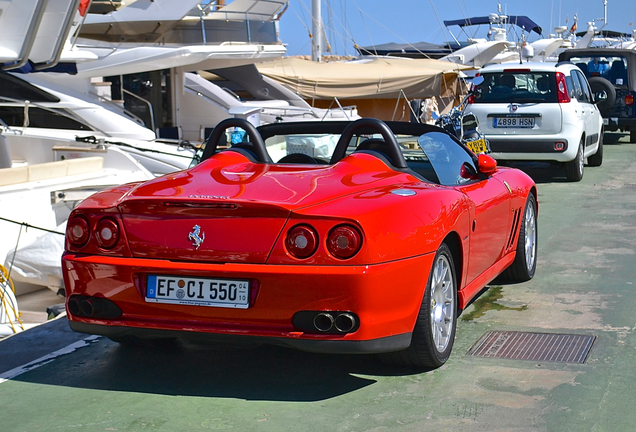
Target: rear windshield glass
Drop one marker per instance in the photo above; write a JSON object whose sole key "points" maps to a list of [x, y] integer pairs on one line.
{"points": [[612, 68], [520, 87]]}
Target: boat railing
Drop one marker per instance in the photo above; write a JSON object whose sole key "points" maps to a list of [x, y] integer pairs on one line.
{"points": [[27, 105], [144, 102], [343, 109], [119, 107]]}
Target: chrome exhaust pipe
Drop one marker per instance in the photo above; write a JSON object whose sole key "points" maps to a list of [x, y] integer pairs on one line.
{"points": [[74, 306], [323, 322], [345, 322], [88, 307]]}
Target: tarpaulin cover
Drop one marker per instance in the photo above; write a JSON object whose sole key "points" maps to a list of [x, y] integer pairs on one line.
{"points": [[380, 78]]}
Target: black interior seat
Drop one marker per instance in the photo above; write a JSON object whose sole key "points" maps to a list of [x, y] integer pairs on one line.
{"points": [[298, 158], [378, 148]]}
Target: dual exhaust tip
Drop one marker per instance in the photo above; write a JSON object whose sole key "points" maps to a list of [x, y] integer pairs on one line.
{"points": [[92, 307], [326, 322], [343, 323]]}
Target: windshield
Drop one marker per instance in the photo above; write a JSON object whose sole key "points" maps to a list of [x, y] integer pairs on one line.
{"points": [[519, 87], [430, 154]]}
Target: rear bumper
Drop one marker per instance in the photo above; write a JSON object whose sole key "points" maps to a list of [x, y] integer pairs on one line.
{"points": [[386, 298], [619, 123], [540, 148], [380, 345]]}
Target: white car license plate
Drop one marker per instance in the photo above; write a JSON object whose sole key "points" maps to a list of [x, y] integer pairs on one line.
{"points": [[226, 293], [513, 122]]}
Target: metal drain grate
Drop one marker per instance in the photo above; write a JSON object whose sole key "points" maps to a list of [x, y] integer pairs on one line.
{"points": [[549, 347], [629, 186]]}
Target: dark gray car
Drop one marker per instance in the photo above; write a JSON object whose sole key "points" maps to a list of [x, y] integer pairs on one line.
{"points": [[614, 71]]}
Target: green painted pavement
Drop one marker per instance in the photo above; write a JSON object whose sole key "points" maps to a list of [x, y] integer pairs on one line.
{"points": [[585, 284]]}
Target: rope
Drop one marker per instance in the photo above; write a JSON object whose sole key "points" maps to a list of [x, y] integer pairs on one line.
{"points": [[8, 303], [182, 144], [26, 225]]}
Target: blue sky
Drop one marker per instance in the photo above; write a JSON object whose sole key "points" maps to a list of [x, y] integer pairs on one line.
{"points": [[370, 22]]}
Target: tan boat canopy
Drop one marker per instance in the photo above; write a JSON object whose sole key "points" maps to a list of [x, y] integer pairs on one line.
{"points": [[378, 78]]}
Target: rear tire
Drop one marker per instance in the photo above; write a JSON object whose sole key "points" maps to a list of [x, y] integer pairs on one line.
{"points": [[525, 264], [597, 158], [574, 168], [434, 331], [632, 135], [601, 84]]}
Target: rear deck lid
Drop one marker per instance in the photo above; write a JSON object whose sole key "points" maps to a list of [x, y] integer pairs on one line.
{"points": [[223, 212]]}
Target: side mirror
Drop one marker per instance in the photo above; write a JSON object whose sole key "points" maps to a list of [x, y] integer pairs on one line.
{"points": [[487, 164], [600, 96], [478, 80]]}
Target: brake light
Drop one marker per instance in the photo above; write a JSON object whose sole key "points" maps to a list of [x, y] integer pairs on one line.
{"points": [[516, 70], [107, 233], [78, 231], [301, 241], [629, 99], [562, 88], [344, 241]]}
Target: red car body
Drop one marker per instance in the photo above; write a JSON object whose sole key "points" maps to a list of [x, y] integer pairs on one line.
{"points": [[245, 211]]}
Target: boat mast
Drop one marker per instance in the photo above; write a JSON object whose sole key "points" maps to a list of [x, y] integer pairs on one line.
{"points": [[316, 30]]}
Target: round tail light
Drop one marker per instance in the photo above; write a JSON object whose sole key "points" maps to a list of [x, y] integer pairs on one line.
{"points": [[629, 100], [302, 241], [77, 231], [107, 233], [344, 241]]}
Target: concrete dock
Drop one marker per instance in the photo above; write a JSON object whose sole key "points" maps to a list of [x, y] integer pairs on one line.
{"points": [[52, 379]]}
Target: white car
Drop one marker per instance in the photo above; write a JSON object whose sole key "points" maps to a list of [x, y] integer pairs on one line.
{"points": [[540, 112]]}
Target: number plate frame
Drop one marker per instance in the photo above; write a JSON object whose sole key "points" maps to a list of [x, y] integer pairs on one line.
{"points": [[514, 122], [197, 291], [478, 146]]}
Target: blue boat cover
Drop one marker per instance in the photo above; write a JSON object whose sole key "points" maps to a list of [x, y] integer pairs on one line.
{"points": [[521, 21]]}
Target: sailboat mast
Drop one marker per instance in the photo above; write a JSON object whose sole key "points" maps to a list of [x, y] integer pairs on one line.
{"points": [[316, 30]]}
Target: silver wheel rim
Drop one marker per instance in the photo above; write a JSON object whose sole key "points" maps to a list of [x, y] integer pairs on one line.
{"points": [[442, 303], [530, 227], [581, 159]]}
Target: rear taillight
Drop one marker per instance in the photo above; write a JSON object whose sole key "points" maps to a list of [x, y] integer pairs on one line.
{"points": [[78, 231], [629, 100], [562, 88], [107, 233], [344, 241], [301, 241]]}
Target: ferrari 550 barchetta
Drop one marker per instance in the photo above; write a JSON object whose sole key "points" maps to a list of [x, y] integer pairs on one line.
{"points": [[363, 237]]}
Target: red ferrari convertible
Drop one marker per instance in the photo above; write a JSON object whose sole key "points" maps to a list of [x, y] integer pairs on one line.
{"points": [[363, 237]]}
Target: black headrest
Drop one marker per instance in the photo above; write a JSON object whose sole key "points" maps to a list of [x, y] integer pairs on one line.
{"points": [[376, 145]]}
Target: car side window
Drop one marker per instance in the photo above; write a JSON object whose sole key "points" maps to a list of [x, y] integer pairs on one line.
{"points": [[446, 156], [586, 95], [577, 90]]}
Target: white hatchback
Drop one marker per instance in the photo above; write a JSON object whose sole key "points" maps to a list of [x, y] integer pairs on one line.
{"points": [[540, 112]]}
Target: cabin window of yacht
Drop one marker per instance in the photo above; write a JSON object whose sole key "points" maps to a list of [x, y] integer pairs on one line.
{"points": [[41, 118], [15, 89]]}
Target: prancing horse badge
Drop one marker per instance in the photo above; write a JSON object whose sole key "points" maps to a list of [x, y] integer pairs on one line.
{"points": [[196, 236]]}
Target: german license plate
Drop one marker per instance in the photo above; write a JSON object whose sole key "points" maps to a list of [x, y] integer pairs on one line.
{"points": [[226, 293], [513, 122], [477, 146]]}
